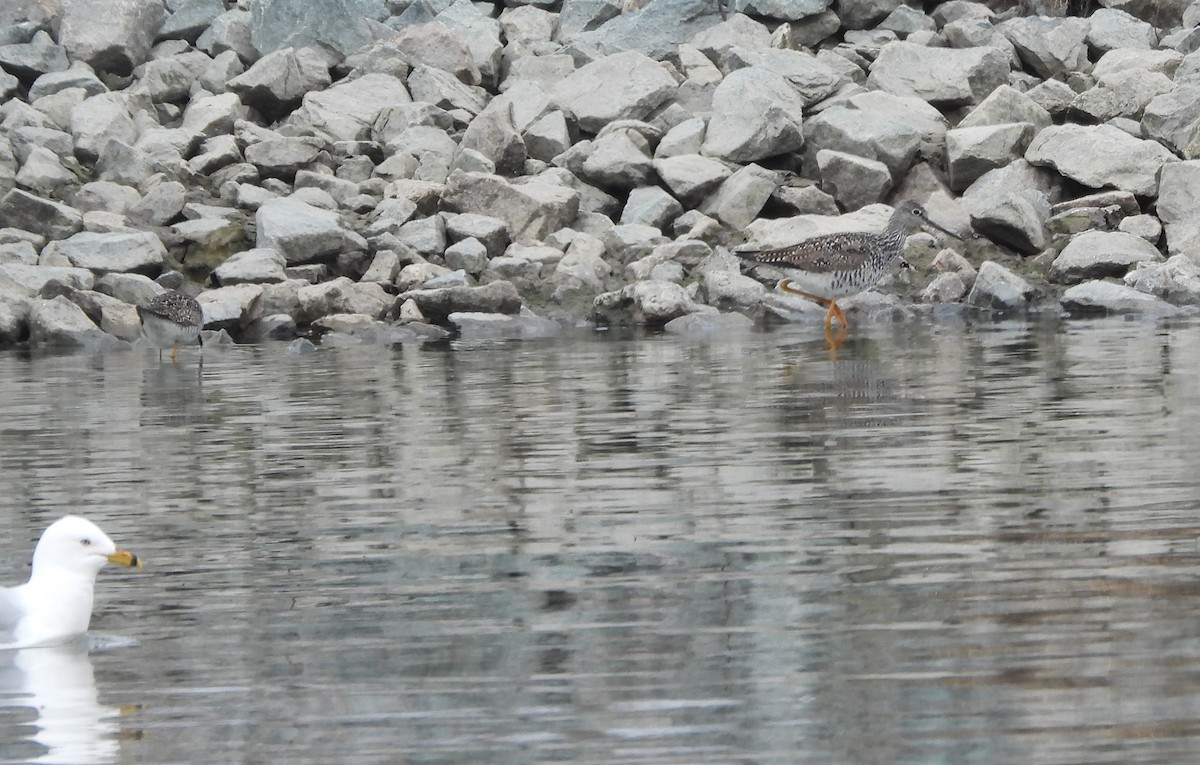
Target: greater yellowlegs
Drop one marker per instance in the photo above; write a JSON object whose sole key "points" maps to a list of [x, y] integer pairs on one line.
{"points": [[834, 266], [169, 319]]}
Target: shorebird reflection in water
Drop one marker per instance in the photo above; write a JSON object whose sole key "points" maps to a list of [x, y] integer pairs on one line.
{"points": [[834, 266], [169, 319]]}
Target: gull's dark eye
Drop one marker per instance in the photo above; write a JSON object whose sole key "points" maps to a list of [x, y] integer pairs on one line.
{"points": [[85, 542]]}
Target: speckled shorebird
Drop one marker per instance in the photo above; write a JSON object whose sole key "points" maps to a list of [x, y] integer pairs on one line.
{"points": [[834, 266], [169, 319]]}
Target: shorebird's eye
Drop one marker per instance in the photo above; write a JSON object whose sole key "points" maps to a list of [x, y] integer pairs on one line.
{"points": [[85, 542]]}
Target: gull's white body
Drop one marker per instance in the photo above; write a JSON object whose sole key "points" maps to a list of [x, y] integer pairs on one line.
{"points": [[56, 603]]}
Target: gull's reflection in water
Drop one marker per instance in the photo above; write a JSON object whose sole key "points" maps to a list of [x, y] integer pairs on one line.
{"points": [[54, 689]]}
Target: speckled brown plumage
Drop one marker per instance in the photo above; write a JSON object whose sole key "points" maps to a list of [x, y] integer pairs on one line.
{"points": [[169, 319], [832, 266]]}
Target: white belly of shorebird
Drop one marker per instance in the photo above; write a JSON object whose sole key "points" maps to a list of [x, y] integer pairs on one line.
{"points": [[827, 285], [163, 333]]}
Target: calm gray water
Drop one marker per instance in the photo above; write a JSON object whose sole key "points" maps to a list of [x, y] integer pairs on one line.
{"points": [[946, 543]]}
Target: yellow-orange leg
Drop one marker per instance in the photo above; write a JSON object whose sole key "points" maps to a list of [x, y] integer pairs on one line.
{"points": [[174, 350], [785, 285]]}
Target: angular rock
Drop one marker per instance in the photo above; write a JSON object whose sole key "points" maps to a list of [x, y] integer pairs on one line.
{"points": [[276, 82], [346, 111], [300, 232], [617, 160], [1100, 297], [627, 85], [1111, 29], [60, 323], [342, 296], [691, 177], [189, 18], [122, 252], [213, 115], [973, 151], [1177, 280], [283, 157], [651, 303], [110, 36], [998, 289], [98, 120], [337, 27], [1178, 201], [944, 76], [651, 206], [1122, 94], [230, 32], [37, 57], [436, 45], [256, 266], [530, 210], [863, 134], [853, 181], [1101, 156], [947, 287], [738, 200], [1174, 119], [437, 304], [1050, 47], [1097, 254], [656, 29], [1006, 105], [493, 134], [445, 90], [47, 218], [756, 114]]}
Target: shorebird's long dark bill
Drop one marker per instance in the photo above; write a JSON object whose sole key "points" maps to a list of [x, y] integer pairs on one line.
{"points": [[943, 229]]}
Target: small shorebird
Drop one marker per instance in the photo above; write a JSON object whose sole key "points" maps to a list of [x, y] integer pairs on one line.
{"points": [[169, 319], [833, 266]]}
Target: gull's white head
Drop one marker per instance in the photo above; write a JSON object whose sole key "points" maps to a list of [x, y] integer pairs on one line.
{"points": [[77, 545]]}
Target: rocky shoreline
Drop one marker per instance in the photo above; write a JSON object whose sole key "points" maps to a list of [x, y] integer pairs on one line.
{"points": [[382, 171]]}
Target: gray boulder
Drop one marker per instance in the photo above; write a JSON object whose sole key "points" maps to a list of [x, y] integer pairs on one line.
{"points": [[188, 19], [1178, 201], [756, 114], [947, 76], [256, 266], [656, 29], [39, 56], [276, 82], [493, 134], [852, 180], [1097, 254], [531, 210], [998, 289], [438, 304], [16, 278], [299, 231], [973, 151], [110, 36], [1049, 47], [651, 303], [1006, 105], [706, 324], [864, 134], [627, 85], [41, 216], [337, 27], [691, 177], [1100, 297], [1101, 156], [1177, 280], [123, 252], [739, 199], [342, 296], [1174, 119], [1112, 29], [436, 45], [346, 111], [60, 323]]}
